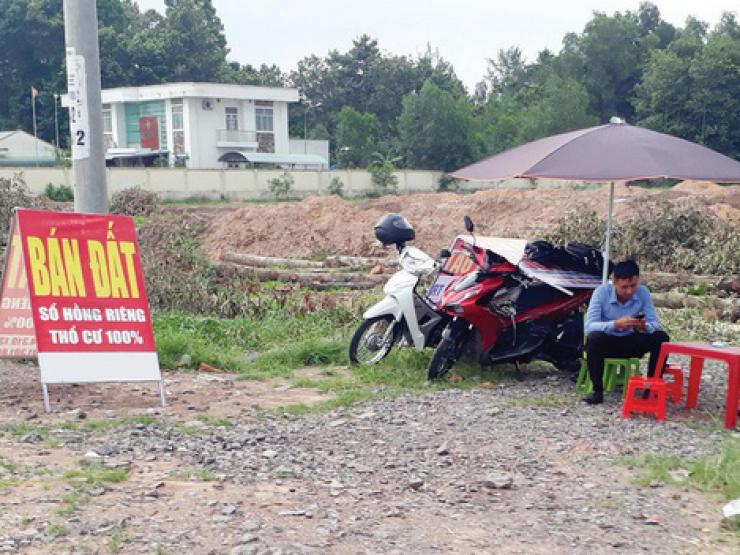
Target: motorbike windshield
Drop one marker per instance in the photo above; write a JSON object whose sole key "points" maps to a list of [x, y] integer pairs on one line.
{"points": [[510, 249]]}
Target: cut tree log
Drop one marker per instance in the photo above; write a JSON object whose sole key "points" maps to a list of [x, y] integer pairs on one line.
{"points": [[334, 261], [727, 309], [267, 261], [664, 281], [265, 274], [338, 261]]}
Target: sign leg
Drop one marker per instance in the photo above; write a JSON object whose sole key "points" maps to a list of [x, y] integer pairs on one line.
{"points": [[161, 393], [47, 405]]}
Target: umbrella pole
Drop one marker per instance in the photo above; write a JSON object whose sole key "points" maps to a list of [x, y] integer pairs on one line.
{"points": [[607, 241]]}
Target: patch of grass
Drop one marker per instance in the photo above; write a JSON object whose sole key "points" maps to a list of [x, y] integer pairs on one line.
{"points": [[10, 466], [95, 475], [8, 483], [699, 290], [105, 425], [718, 472], [71, 503], [196, 474], [19, 429], [214, 420], [116, 541], [694, 324], [282, 340], [281, 361], [344, 399], [56, 530]]}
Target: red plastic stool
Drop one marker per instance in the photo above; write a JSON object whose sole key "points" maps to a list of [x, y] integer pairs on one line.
{"points": [[655, 402], [674, 388]]}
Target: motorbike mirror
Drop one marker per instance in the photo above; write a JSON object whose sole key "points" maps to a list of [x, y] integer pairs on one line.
{"points": [[469, 224], [444, 253]]}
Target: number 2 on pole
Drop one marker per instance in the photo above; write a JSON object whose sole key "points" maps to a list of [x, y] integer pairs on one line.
{"points": [[80, 137]]}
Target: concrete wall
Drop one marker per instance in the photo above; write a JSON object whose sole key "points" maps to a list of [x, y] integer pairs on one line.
{"points": [[181, 183], [319, 147]]}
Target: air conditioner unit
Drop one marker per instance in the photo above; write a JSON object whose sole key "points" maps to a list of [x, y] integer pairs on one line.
{"points": [[207, 104]]}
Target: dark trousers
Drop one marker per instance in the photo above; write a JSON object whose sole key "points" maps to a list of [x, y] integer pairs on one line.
{"points": [[599, 346]]}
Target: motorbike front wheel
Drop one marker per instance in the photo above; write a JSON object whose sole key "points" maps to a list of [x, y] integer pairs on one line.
{"points": [[374, 339], [444, 357]]}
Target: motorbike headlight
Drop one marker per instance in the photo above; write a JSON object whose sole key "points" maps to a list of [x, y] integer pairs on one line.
{"points": [[467, 281]]}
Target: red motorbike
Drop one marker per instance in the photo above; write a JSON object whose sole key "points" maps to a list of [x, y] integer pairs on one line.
{"points": [[510, 302]]}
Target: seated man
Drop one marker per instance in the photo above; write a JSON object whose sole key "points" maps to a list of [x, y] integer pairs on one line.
{"points": [[620, 323]]}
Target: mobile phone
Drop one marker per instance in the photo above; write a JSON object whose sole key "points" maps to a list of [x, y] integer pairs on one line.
{"points": [[640, 316]]}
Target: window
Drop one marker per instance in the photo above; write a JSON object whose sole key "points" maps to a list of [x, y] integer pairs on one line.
{"points": [[107, 120], [176, 110], [263, 117], [232, 119]]}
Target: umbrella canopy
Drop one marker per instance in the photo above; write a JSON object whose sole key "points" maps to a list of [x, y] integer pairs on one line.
{"points": [[612, 152]]}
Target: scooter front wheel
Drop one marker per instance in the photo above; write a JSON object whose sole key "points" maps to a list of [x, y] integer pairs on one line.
{"points": [[373, 339], [444, 357]]}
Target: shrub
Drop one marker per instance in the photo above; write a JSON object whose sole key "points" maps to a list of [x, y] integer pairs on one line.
{"points": [[583, 227], [13, 193], [447, 183], [336, 187], [134, 201], [179, 277], [60, 193], [381, 170], [661, 236], [281, 186]]}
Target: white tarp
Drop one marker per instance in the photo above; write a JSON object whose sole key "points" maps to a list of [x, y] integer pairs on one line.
{"points": [[513, 251]]}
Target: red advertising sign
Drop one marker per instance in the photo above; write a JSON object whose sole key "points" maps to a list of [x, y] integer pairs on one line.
{"points": [[86, 297], [17, 337], [149, 132]]}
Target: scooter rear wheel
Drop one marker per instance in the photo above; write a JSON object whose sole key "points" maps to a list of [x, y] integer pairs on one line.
{"points": [[370, 343]]}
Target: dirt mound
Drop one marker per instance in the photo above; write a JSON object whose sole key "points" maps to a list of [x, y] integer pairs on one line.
{"points": [[319, 226]]}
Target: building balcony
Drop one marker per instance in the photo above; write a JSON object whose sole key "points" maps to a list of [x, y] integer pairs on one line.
{"points": [[236, 138]]}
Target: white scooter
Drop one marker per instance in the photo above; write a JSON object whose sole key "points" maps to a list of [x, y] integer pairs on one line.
{"points": [[404, 316]]}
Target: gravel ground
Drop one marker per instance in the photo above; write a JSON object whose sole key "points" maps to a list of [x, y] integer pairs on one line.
{"points": [[521, 467]]}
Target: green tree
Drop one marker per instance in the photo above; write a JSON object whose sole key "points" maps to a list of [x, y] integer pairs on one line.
{"points": [[356, 133], [559, 105], [194, 39], [507, 72], [435, 129], [690, 89]]}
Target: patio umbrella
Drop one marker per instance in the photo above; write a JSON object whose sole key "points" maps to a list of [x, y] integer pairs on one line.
{"points": [[612, 152]]}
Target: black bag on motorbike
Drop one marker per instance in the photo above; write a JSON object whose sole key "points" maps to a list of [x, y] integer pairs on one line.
{"points": [[545, 253], [587, 259]]}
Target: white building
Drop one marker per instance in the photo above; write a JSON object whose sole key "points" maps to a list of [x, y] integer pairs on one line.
{"points": [[18, 148], [204, 126]]}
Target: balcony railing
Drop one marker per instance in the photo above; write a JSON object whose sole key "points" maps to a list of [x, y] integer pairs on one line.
{"points": [[235, 136]]}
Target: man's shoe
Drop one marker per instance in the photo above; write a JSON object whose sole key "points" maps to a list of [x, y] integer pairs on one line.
{"points": [[594, 398]]}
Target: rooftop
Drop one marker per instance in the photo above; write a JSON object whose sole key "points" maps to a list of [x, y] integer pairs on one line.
{"points": [[195, 90]]}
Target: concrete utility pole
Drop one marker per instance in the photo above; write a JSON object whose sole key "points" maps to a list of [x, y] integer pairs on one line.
{"points": [[85, 109]]}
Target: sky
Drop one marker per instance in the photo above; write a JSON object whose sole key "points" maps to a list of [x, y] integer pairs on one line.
{"points": [[465, 32]]}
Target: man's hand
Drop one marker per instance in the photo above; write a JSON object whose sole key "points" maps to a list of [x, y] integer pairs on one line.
{"points": [[627, 322]]}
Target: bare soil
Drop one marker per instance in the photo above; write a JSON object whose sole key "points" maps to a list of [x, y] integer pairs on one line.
{"points": [[318, 226], [519, 467]]}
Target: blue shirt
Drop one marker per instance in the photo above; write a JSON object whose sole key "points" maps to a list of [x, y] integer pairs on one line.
{"points": [[605, 308]]}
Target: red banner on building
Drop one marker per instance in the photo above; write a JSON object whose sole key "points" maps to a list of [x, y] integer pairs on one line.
{"points": [[82, 278], [149, 132]]}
